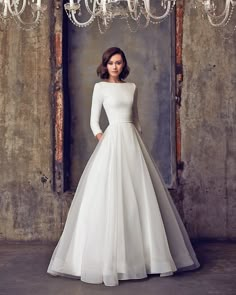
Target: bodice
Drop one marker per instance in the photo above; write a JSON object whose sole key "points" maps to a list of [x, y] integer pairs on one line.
{"points": [[119, 101]]}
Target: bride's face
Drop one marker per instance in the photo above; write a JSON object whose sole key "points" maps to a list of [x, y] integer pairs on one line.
{"points": [[115, 66]]}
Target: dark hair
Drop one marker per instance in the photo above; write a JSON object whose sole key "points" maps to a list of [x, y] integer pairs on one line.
{"points": [[102, 68]]}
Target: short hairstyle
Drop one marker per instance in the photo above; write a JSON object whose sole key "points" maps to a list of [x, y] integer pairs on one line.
{"points": [[102, 71]]}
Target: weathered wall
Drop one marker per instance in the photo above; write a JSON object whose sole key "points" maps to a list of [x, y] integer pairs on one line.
{"points": [[208, 124], [28, 208]]}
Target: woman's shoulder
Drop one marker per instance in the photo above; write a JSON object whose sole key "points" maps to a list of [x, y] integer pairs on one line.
{"points": [[99, 83], [132, 84]]}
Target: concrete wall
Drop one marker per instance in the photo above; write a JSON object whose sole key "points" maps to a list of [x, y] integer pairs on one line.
{"points": [[208, 124], [30, 210]]}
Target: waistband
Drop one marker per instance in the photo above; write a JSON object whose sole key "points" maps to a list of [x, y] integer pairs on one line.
{"points": [[121, 122]]}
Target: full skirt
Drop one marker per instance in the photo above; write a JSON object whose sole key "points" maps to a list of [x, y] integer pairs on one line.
{"points": [[122, 223]]}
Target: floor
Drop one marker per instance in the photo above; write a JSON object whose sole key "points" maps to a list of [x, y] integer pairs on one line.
{"points": [[23, 272]]}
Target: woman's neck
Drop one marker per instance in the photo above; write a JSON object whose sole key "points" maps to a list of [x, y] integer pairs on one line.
{"points": [[113, 80]]}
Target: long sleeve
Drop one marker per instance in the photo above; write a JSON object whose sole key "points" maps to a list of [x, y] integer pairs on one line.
{"points": [[96, 110], [135, 111]]}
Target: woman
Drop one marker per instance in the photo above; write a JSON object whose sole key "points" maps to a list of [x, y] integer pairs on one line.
{"points": [[122, 223]]}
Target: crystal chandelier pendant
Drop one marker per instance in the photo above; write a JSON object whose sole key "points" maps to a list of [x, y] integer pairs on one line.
{"points": [[211, 9], [105, 11], [36, 8], [219, 14], [72, 7], [18, 10]]}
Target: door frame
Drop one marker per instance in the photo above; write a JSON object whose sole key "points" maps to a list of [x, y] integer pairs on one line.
{"points": [[59, 94]]}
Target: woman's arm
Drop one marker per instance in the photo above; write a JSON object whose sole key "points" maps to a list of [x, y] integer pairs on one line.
{"points": [[135, 111], [96, 108]]}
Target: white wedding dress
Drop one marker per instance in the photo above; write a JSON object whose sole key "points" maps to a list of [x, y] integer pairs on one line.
{"points": [[122, 223]]}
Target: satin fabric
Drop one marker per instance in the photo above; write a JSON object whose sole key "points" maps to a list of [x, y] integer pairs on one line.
{"points": [[122, 223]]}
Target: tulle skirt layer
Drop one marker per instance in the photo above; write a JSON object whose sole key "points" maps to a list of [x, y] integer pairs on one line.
{"points": [[122, 223]]}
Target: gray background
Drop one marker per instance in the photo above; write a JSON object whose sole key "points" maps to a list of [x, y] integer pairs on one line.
{"points": [[149, 54]]}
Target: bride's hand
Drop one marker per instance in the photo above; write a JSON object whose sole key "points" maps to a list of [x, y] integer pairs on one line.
{"points": [[99, 136]]}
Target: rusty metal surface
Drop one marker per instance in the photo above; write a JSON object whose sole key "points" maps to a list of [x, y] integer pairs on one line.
{"points": [[179, 77], [58, 96]]}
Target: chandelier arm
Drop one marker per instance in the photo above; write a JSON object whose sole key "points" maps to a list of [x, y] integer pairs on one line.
{"points": [[95, 2], [103, 6], [147, 22], [15, 12], [167, 12], [34, 22], [219, 24], [224, 12], [134, 13], [134, 8], [216, 24], [221, 19], [4, 13], [84, 24], [135, 16]]}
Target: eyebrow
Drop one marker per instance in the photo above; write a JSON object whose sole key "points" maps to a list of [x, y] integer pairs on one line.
{"points": [[119, 60]]}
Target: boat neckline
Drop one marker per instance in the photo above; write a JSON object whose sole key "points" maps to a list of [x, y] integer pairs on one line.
{"points": [[115, 82]]}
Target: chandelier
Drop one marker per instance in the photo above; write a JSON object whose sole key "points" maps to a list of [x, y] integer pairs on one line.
{"points": [[211, 10], [137, 13], [20, 10]]}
